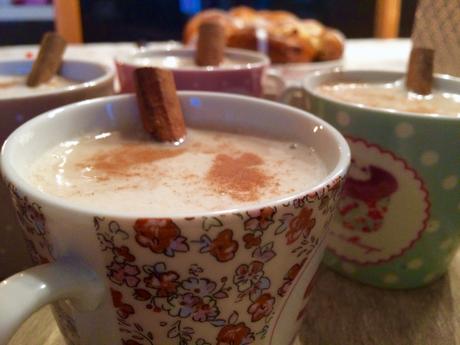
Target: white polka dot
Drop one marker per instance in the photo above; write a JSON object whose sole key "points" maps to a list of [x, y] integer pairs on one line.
{"points": [[429, 277], [415, 264], [429, 158], [446, 244], [450, 182], [390, 278], [404, 130], [433, 225], [343, 119], [348, 268]]}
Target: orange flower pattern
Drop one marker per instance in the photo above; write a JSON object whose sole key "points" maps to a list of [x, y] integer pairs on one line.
{"points": [[302, 224], [255, 246]]}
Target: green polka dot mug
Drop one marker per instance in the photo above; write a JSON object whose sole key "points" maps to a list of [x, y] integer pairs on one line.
{"points": [[398, 222]]}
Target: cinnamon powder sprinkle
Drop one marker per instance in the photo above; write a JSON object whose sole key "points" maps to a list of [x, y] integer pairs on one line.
{"points": [[239, 177], [121, 161]]}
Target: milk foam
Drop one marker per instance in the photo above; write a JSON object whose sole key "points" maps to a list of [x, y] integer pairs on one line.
{"points": [[15, 86], [393, 96], [113, 172], [183, 62]]}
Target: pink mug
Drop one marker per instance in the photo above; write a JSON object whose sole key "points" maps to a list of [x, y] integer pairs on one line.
{"points": [[243, 77]]}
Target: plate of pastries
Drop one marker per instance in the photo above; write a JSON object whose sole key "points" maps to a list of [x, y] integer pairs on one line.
{"points": [[284, 37]]}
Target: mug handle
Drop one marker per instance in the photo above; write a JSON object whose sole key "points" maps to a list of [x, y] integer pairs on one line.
{"points": [[296, 96], [25, 292], [275, 88]]}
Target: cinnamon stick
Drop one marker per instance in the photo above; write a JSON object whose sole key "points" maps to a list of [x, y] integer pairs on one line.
{"points": [[158, 104], [49, 59], [211, 44], [420, 71]]}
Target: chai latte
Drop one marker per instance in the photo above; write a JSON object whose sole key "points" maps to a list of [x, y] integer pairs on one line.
{"points": [[393, 96], [177, 62], [15, 85], [211, 171]]}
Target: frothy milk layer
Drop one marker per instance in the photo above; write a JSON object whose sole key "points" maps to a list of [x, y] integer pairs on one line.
{"points": [[394, 97], [183, 62], [15, 85], [210, 171]]}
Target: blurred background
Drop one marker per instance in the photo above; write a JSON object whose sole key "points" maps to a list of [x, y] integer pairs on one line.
{"points": [[24, 21]]}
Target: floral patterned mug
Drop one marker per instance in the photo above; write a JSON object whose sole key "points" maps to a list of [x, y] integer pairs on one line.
{"points": [[235, 277]]}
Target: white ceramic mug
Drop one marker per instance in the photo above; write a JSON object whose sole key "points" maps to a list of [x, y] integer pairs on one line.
{"points": [[93, 80], [136, 278]]}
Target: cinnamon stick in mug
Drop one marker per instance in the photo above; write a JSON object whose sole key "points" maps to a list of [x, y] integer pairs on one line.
{"points": [[211, 44], [159, 104], [49, 59], [420, 71]]}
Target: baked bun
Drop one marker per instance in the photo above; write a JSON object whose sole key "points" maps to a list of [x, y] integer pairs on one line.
{"points": [[280, 34], [331, 45]]}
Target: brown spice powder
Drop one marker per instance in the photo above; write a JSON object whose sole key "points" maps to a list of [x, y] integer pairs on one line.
{"points": [[121, 161], [240, 177]]}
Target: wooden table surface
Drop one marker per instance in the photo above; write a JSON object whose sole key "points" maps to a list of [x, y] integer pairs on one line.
{"points": [[342, 312]]}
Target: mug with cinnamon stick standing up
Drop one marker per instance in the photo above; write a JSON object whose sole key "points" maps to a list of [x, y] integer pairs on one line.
{"points": [[398, 221], [155, 233]]}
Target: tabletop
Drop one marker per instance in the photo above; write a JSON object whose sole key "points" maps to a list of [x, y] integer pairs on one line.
{"points": [[341, 312]]}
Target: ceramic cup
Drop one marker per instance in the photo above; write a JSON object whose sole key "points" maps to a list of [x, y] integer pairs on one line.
{"points": [[235, 277], [244, 77], [398, 224], [96, 80]]}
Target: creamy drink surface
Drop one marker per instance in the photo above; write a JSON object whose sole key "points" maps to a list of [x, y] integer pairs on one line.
{"points": [[210, 171], [393, 96], [183, 62], [15, 85]]}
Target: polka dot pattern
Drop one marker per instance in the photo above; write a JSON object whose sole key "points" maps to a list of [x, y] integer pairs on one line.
{"points": [[343, 119], [429, 158], [450, 182], [390, 278], [425, 146], [415, 264], [404, 130]]}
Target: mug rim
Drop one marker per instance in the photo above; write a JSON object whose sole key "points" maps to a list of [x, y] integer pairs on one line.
{"points": [[310, 82], [107, 75], [10, 174], [263, 60]]}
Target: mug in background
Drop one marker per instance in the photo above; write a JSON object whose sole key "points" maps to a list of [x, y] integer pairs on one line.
{"points": [[244, 77], [95, 79], [398, 221], [240, 276]]}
